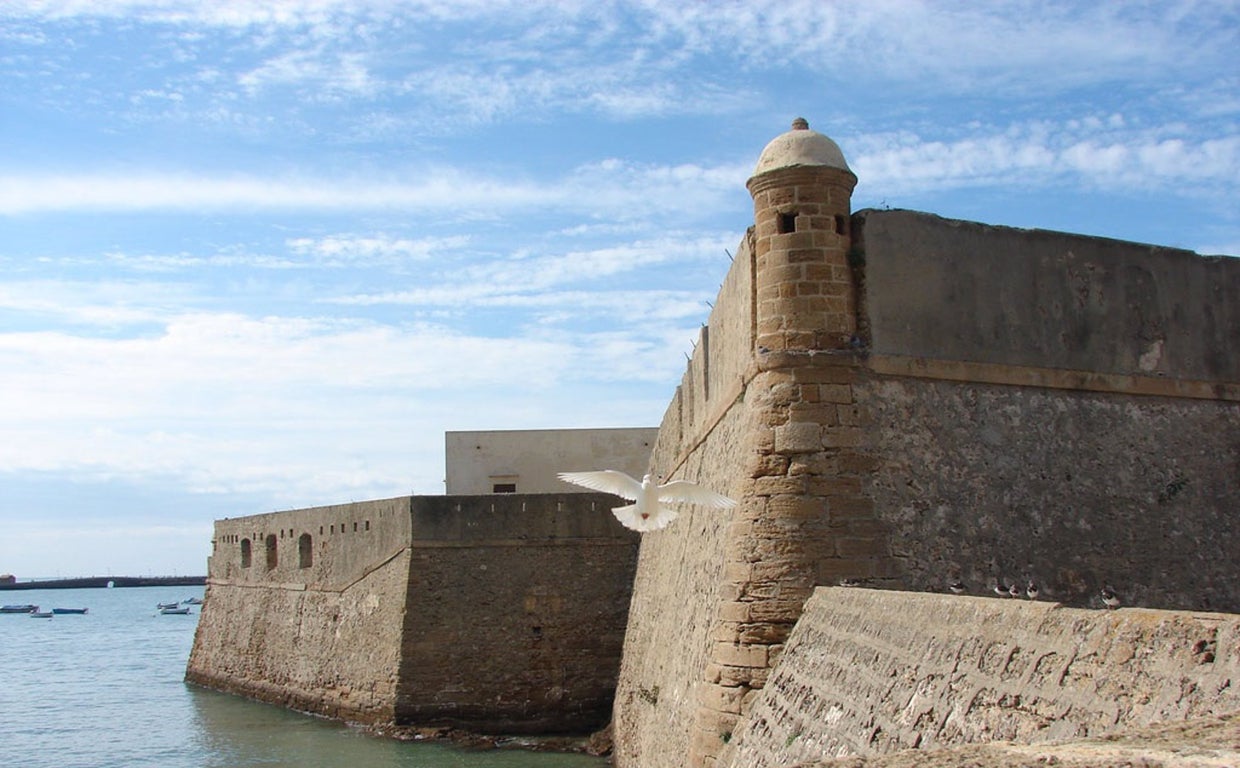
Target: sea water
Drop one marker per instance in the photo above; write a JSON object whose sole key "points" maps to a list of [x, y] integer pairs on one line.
{"points": [[107, 689]]}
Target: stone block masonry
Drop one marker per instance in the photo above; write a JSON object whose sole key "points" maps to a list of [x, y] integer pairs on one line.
{"points": [[496, 614], [869, 672]]}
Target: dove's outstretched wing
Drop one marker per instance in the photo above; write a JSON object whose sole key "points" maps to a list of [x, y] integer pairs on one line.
{"points": [[605, 480], [684, 490]]}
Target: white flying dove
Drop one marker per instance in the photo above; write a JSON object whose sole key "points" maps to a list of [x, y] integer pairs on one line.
{"points": [[647, 513]]}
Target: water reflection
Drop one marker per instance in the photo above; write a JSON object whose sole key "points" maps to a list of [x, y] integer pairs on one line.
{"points": [[232, 732]]}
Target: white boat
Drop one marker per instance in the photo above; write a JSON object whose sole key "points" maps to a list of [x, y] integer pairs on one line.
{"points": [[174, 611]]}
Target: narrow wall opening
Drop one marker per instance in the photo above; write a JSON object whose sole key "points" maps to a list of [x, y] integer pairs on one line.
{"points": [[305, 551]]}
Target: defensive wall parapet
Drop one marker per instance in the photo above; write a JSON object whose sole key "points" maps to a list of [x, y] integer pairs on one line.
{"points": [[1036, 307], [870, 672], [497, 613], [328, 547]]}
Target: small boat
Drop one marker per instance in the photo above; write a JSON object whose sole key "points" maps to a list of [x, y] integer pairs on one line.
{"points": [[192, 601], [162, 606], [174, 611], [40, 614], [68, 610], [19, 608]]}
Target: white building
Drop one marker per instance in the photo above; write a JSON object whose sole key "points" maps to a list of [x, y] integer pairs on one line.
{"points": [[527, 460]]}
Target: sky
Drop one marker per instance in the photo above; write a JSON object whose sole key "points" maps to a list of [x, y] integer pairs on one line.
{"points": [[262, 255]]}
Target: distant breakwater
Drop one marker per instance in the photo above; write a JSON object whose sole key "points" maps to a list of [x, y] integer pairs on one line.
{"points": [[85, 582]]}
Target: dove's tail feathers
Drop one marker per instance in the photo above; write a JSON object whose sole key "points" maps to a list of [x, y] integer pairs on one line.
{"points": [[629, 517]]}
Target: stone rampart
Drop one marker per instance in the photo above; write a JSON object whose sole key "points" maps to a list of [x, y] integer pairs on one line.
{"points": [[906, 402], [496, 613], [868, 672]]}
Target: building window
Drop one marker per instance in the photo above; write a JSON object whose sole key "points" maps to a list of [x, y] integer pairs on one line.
{"points": [[305, 552], [245, 553], [786, 223], [504, 481], [271, 551]]}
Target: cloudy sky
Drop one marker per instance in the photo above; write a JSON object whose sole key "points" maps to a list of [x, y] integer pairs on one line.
{"points": [[261, 255]]}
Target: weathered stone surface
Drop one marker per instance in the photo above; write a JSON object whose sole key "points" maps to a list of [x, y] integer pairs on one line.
{"points": [[1207, 742], [869, 672], [958, 290], [1073, 490], [798, 437]]}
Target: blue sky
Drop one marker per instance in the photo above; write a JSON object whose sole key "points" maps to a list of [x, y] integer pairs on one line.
{"points": [[262, 255]]}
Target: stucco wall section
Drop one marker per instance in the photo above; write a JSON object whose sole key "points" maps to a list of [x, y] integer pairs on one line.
{"points": [[530, 458], [869, 671], [959, 290], [1073, 490]]}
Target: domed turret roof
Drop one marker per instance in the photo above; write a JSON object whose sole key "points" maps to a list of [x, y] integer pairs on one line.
{"points": [[800, 146]]}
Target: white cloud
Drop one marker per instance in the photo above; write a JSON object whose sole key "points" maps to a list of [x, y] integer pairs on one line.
{"points": [[229, 403], [620, 189], [1114, 158], [539, 281], [327, 75], [355, 250], [629, 59], [104, 303]]}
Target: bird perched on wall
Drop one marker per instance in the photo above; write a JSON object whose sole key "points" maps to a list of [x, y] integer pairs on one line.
{"points": [[647, 513], [1109, 598], [956, 587], [1031, 591]]}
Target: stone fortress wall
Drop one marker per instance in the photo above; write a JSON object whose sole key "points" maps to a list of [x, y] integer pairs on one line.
{"points": [[496, 613], [905, 401], [896, 400]]}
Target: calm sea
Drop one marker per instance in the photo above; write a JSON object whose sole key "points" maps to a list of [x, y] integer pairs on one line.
{"points": [[105, 689]]}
